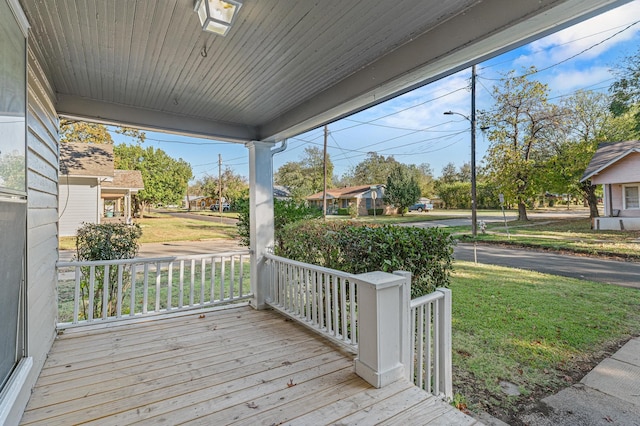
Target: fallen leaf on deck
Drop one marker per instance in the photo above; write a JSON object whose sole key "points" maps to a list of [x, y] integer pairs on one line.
{"points": [[291, 384], [201, 316], [252, 405], [286, 363]]}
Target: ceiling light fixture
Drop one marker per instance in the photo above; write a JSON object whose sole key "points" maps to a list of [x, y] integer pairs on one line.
{"points": [[217, 16]]}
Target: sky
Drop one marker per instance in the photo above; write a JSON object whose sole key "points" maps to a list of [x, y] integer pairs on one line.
{"points": [[413, 128]]}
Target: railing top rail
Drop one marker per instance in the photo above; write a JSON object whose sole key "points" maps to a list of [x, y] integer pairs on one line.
{"points": [[165, 259], [427, 298], [314, 267]]}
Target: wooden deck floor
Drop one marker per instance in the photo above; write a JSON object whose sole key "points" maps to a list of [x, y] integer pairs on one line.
{"points": [[234, 366]]}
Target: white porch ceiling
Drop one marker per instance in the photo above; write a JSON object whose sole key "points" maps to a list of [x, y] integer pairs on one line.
{"points": [[285, 67]]}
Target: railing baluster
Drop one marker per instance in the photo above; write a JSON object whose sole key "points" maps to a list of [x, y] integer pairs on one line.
{"points": [[132, 302], [145, 289], [119, 301], [105, 292], [353, 319], [343, 307], [76, 295], [222, 280], [169, 286], [203, 273], [428, 344], [241, 278], [436, 349], [232, 275], [192, 282], [213, 279], [92, 279], [181, 286], [158, 285], [336, 307]]}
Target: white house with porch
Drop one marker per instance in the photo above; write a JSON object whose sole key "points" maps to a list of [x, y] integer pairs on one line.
{"points": [[280, 69], [616, 166]]}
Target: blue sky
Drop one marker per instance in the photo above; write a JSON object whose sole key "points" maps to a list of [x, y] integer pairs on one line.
{"points": [[412, 127]]}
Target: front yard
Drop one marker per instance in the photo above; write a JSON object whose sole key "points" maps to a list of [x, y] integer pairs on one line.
{"points": [[538, 332]]}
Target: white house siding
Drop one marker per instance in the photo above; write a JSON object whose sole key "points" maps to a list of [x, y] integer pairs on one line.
{"points": [[78, 202], [42, 238]]}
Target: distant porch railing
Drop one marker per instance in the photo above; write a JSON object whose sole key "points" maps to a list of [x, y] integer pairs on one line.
{"points": [[91, 292], [331, 303]]}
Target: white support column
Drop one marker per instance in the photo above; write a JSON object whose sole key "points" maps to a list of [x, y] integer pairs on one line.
{"points": [[260, 217], [444, 347], [381, 319]]}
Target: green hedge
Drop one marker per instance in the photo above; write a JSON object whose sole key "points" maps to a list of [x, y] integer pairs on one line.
{"points": [[379, 212], [356, 248], [343, 212]]}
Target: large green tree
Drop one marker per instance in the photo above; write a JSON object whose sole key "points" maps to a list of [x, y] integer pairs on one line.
{"points": [[234, 186], [584, 125], [84, 132], [520, 124], [165, 179], [305, 177], [626, 90], [372, 170], [402, 189]]}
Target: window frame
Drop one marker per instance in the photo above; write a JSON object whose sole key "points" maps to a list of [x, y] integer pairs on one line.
{"points": [[624, 197]]}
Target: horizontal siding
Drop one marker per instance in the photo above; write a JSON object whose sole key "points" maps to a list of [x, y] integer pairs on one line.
{"points": [[626, 170], [78, 203], [42, 228]]}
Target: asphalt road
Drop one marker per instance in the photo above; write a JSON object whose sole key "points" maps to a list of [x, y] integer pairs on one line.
{"points": [[625, 274]]}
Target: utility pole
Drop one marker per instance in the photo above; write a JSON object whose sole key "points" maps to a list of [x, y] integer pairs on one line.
{"points": [[324, 170], [474, 222], [220, 184]]}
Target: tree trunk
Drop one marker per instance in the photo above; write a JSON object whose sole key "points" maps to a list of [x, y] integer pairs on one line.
{"points": [[522, 211], [589, 192]]}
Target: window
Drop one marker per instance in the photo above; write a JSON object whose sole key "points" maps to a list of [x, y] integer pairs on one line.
{"points": [[13, 200], [631, 199], [369, 204]]}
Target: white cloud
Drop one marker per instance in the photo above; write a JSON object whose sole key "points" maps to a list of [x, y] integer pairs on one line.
{"points": [[571, 80], [573, 40]]}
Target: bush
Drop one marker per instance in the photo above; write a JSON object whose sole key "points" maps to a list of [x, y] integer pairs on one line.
{"points": [[356, 248], [107, 241], [284, 212], [343, 212], [379, 212]]}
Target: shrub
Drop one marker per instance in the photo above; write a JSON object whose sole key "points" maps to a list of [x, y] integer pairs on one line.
{"points": [[284, 212], [343, 212], [107, 241], [379, 212], [356, 248]]}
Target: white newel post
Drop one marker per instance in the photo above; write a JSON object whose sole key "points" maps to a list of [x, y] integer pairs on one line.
{"points": [[260, 217], [444, 332], [383, 327]]}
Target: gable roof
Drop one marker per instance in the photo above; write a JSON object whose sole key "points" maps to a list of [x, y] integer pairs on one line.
{"points": [[607, 154], [86, 159], [346, 192], [126, 179], [281, 191]]}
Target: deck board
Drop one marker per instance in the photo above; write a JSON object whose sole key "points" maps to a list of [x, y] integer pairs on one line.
{"points": [[233, 366]]}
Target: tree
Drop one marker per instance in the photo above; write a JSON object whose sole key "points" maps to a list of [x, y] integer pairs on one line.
{"points": [[584, 125], [305, 177], [424, 177], [449, 173], [402, 189], [165, 179], [234, 187], [12, 170], [372, 170], [520, 121], [84, 132], [626, 90]]}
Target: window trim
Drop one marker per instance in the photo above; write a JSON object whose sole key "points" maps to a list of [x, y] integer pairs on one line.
{"points": [[624, 197]]}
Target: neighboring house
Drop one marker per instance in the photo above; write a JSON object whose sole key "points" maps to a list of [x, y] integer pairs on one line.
{"points": [[361, 196], [616, 166], [281, 192], [89, 187], [198, 202]]}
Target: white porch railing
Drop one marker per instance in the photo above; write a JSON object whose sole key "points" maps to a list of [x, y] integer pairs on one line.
{"points": [[430, 364], [326, 301], [90, 292], [321, 298]]}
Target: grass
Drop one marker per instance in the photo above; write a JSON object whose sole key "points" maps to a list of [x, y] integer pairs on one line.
{"points": [[164, 228], [574, 235], [537, 331]]}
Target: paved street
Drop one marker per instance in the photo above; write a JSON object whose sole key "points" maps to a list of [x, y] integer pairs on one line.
{"points": [[600, 270]]}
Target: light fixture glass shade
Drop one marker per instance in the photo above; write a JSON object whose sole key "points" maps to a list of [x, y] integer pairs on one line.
{"points": [[217, 16]]}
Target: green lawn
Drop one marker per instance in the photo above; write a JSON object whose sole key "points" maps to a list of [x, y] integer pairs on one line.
{"points": [[540, 332], [573, 235]]}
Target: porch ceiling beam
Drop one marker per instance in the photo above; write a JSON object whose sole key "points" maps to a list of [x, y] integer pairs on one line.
{"points": [[74, 107], [456, 44]]}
